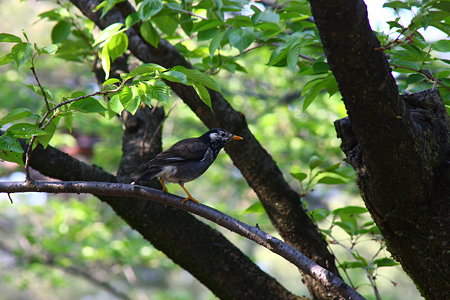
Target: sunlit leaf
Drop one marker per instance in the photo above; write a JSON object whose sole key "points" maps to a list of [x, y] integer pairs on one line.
{"points": [[150, 34], [149, 8], [14, 115], [21, 53], [9, 38]]}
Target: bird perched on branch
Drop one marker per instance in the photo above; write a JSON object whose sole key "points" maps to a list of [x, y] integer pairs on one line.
{"points": [[187, 159]]}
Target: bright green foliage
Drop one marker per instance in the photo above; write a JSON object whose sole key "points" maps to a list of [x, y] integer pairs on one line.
{"points": [[267, 61]]}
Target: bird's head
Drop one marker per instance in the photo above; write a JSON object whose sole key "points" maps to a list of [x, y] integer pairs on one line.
{"points": [[218, 137]]}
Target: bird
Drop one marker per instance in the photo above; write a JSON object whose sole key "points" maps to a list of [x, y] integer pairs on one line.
{"points": [[186, 160]]}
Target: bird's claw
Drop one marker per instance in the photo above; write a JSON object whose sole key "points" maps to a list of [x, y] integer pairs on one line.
{"points": [[190, 198]]}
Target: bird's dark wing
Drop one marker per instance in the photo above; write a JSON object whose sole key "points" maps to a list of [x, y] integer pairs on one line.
{"points": [[186, 150]]}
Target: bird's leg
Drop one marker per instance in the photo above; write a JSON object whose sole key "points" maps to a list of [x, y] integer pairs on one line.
{"points": [[189, 197], [164, 189]]}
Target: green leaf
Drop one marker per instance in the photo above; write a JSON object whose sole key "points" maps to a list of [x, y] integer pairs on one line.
{"points": [[198, 77], [38, 91], [147, 93], [132, 19], [331, 180], [202, 91], [50, 131], [414, 78], [146, 69], [6, 59], [332, 167], [240, 21], [106, 61], [24, 131], [111, 81], [348, 227], [254, 208], [21, 53], [14, 115], [60, 32], [293, 55], [160, 91], [311, 95], [9, 38], [117, 45], [385, 262], [207, 34], [241, 38], [115, 104], [206, 24], [396, 4], [320, 214], [351, 265], [87, 105], [350, 210], [320, 67], [149, 8], [278, 55], [68, 120], [10, 155], [166, 24], [10, 143], [108, 32], [215, 42], [107, 5], [299, 176], [150, 34], [129, 100], [175, 76], [314, 162], [50, 49], [441, 46]]}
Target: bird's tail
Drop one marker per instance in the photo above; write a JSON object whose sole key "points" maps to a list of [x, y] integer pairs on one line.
{"points": [[147, 175]]}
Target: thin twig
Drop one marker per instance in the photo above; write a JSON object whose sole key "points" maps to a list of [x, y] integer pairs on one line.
{"points": [[429, 76], [255, 234], [40, 86], [42, 126], [397, 40], [189, 13], [10, 199]]}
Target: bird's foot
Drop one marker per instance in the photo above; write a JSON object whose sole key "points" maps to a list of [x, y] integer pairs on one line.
{"points": [[190, 198]]}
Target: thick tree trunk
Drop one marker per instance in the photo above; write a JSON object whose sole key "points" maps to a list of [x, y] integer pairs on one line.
{"points": [[399, 146]]}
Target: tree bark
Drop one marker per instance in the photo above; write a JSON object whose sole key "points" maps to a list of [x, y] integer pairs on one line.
{"points": [[399, 146], [281, 202]]}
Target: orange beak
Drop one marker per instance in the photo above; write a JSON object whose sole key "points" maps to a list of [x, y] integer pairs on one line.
{"points": [[236, 137]]}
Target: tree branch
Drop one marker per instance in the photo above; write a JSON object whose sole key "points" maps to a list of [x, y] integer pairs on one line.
{"points": [[250, 232], [280, 201], [196, 247]]}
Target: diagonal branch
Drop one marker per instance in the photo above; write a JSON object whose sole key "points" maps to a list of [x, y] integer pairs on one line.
{"points": [[250, 232], [281, 202], [178, 234]]}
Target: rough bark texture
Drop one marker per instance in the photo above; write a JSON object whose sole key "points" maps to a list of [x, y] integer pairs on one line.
{"points": [[281, 202], [399, 146]]}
